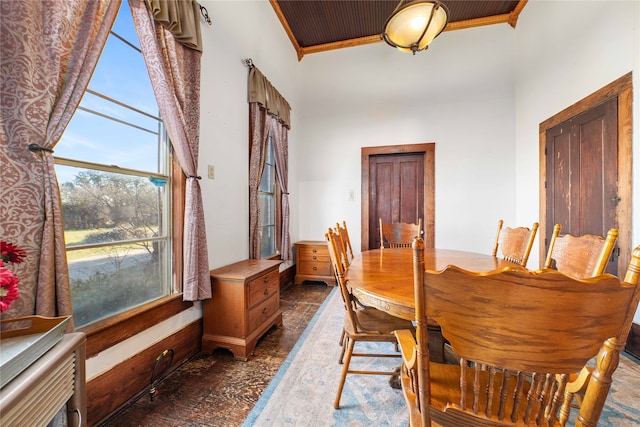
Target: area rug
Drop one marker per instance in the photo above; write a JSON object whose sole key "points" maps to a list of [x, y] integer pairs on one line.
{"points": [[303, 390]]}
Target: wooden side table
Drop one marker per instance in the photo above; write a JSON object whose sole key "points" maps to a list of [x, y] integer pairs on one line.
{"points": [[245, 304], [313, 262]]}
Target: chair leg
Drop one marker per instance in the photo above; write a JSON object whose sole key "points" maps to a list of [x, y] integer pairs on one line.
{"points": [[565, 409], [343, 343], [345, 368]]}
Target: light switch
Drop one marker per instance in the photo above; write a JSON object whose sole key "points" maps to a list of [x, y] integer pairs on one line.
{"points": [[211, 172]]}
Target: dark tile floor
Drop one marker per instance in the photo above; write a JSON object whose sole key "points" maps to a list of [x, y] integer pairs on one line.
{"points": [[216, 390]]}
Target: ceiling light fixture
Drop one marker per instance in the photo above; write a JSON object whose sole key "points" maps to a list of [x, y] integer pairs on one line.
{"points": [[411, 27]]}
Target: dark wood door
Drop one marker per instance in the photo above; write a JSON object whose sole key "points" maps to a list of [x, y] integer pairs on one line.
{"points": [[582, 174], [371, 161], [396, 191]]}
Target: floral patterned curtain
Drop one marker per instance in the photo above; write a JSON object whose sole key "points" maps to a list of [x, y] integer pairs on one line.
{"points": [[259, 126], [49, 52], [281, 152], [175, 77]]}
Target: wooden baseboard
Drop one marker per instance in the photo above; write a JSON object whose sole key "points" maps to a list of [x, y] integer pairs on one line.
{"points": [[633, 341], [115, 389], [287, 275]]}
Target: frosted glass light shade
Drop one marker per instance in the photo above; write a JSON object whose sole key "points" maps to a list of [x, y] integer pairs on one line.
{"points": [[412, 27]]}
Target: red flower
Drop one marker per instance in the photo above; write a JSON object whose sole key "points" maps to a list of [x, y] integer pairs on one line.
{"points": [[12, 253], [9, 253], [8, 287]]}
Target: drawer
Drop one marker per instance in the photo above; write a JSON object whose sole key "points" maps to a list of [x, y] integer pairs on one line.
{"points": [[307, 254], [262, 312], [262, 287], [314, 268], [314, 258], [313, 250]]}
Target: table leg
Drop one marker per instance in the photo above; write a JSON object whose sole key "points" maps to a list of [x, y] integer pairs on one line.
{"points": [[436, 344]]}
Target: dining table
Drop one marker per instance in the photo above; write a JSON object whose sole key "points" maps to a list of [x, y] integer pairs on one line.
{"points": [[383, 278]]}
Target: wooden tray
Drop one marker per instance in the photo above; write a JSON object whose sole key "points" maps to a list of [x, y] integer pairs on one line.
{"points": [[33, 336]]}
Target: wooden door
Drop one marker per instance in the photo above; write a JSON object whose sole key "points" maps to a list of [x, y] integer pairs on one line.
{"points": [[582, 174], [622, 91], [396, 182], [397, 186]]}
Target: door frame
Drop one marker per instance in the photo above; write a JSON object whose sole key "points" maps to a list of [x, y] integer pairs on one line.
{"points": [[428, 151], [622, 89]]}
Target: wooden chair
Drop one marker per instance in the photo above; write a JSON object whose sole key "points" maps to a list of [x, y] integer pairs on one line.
{"points": [[580, 256], [345, 247], [345, 259], [361, 323], [515, 243], [520, 334], [346, 252], [399, 234]]}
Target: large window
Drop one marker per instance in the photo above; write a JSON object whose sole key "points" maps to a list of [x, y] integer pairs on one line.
{"points": [[113, 165], [269, 213]]}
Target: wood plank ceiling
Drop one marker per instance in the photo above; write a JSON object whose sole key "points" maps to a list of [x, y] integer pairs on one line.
{"points": [[320, 25]]}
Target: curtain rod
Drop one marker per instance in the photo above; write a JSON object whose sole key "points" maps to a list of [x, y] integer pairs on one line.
{"points": [[248, 62]]}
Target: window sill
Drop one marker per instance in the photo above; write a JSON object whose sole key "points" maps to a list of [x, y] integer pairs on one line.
{"points": [[108, 332]]}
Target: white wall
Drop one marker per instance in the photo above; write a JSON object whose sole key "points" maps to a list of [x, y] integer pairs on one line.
{"points": [[240, 30], [566, 50], [458, 94]]}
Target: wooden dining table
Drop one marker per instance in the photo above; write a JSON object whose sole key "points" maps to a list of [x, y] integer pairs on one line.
{"points": [[383, 278]]}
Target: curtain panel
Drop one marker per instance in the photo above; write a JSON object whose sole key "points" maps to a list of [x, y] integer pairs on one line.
{"points": [[259, 126], [175, 77], [58, 43], [281, 153]]}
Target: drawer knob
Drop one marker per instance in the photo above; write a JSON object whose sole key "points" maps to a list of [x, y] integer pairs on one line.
{"points": [[315, 257], [315, 250], [265, 311], [266, 292], [315, 268]]}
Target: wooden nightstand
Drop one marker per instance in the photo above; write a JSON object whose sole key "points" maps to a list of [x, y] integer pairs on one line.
{"points": [[313, 262], [245, 304]]}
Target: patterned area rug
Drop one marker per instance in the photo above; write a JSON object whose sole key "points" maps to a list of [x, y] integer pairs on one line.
{"points": [[303, 390]]}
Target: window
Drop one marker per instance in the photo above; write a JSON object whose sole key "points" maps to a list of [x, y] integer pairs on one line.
{"points": [[268, 200], [113, 167]]}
